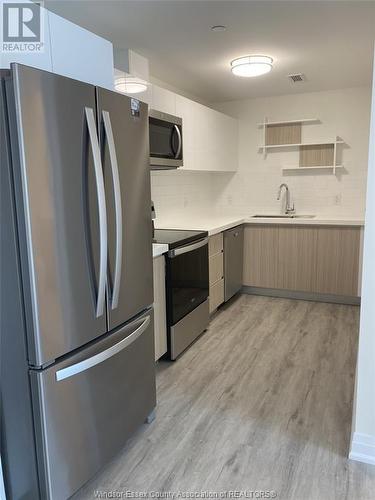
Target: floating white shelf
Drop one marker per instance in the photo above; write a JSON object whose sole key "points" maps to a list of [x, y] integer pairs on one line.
{"points": [[321, 143], [296, 169], [288, 134], [286, 122]]}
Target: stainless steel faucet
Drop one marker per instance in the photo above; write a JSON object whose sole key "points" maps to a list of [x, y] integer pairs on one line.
{"points": [[289, 209]]}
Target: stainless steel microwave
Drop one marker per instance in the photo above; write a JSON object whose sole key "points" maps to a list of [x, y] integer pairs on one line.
{"points": [[166, 149]]}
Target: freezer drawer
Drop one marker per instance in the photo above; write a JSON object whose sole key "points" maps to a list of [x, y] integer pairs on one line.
{"points": [[89, 404], [233, 261]]}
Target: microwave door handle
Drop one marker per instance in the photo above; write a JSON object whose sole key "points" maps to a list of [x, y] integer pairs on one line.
{"points": [[179, 141], [103, 236], [84, 365], [118, 207], [188, 248]]}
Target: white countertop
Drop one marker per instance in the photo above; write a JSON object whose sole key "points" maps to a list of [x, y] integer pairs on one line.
{"points": [[158, 249], [217, 223]]}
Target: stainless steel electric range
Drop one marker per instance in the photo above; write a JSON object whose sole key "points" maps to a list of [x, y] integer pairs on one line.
{"points": [[187, 286]]}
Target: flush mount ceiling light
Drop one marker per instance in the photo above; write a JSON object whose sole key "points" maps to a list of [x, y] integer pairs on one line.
{"points": [[218, 27], [249, 66], [130, 84]]}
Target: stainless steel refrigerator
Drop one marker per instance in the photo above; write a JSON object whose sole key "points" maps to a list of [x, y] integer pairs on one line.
{"points": [[77, 349]]}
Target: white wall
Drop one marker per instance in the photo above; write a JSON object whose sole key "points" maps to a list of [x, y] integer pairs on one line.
{"points": [[363, 441], [342, 112], [69, 50]]}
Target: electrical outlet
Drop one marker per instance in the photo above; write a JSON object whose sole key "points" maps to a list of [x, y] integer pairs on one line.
{"points": [[338, 199]]}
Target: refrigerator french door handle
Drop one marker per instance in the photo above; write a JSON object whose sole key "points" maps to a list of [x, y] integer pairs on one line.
{"points": [[99, 179], [179, 141], [118, 207], [84, 365]]}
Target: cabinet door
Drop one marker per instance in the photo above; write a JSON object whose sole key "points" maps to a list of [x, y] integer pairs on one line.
{"points": [[163, 100], [216, 295], [260, 256], [160, 317], [226, 141], [185, 109], [297, 258], [338, 251], [216, 268], [204, 138], [210, 138], [215, 244]]}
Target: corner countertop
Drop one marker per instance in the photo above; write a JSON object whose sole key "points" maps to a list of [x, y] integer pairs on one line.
{"points": [[158, 249], [217, 223]]}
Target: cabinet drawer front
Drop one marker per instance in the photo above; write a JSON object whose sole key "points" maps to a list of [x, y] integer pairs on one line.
{"points": [[216, 268], [215, 244], [216, 295]]}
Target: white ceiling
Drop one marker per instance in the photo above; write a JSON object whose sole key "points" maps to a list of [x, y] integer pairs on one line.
{"points": [[330, 41]]}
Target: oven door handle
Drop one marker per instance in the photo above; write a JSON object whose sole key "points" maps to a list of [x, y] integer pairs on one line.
{"points": [[188, 248]]}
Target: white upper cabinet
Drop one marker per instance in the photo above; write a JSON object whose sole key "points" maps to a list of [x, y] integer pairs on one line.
{"points": [[163, 100], [185, 109], [210, 138], [145, 96], [227, 132]]}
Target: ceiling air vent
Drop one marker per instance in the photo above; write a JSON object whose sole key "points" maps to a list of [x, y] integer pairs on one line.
{"points": [[297, 77]]}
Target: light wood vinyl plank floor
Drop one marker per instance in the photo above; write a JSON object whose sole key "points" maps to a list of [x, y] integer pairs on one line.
{"points": [[262, 401]]}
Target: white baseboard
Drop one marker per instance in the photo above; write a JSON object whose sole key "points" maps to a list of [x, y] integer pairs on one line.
{"points": [[363, 448]]}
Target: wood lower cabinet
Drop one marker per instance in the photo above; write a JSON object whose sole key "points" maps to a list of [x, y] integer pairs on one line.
{"points": [[216, 295], [296, 248], [260, 256], [338, 252], [216, 268], [316, 259]]}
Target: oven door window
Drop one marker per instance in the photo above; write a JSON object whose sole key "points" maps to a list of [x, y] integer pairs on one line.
{"points": [[188, 282], [165, 140]]}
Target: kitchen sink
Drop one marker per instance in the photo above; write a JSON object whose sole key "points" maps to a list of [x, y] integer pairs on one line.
{"points": [[282, 216]]}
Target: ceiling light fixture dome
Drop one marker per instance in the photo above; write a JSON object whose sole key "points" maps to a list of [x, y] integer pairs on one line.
{"points": [[130, 84], [218, 27], [249, 66]]}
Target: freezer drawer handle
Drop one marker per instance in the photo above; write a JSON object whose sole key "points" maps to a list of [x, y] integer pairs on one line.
{"points": [[118, 208], [84, 365], [94, 141], [188, 248]]}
